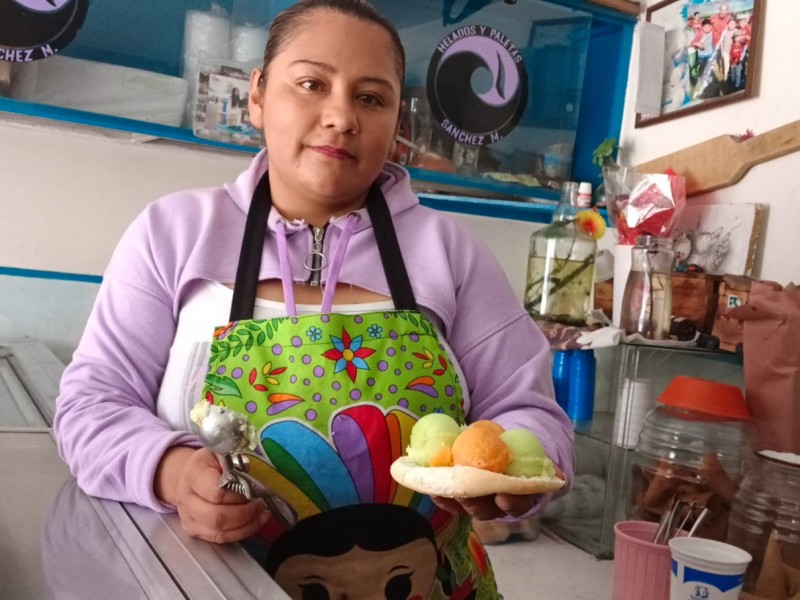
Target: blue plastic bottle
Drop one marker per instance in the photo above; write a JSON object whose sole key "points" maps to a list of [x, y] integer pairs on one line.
{"points": [[580, 405]]}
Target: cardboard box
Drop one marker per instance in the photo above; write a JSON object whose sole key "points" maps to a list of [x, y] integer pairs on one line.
{"points": [[734, 291], [695, 297]]}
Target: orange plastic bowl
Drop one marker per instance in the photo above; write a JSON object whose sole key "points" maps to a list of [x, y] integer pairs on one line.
{"points": [[708, 397]]}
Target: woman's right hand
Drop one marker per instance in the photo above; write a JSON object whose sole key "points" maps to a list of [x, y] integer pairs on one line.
{"points": [[189, 480]]}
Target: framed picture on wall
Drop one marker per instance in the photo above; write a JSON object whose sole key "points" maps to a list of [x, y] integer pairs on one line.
{"points": [[710, 54]]}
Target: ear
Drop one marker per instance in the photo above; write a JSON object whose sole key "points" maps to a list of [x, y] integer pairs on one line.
{"points": [[393, 146], [400, 114], [255, 99]]}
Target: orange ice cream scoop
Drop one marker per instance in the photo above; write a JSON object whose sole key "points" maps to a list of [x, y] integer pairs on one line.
{"points": [[442, 458], [481, 448], [491, 426]]}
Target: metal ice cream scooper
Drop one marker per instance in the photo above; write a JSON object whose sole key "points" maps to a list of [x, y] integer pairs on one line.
{"points": [[229, 434]]}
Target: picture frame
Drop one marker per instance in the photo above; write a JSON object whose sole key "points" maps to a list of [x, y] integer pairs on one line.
{"points": [[220, 109], [711, 54]]}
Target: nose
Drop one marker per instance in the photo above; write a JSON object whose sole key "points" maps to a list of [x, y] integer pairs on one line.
{"points": [[339, 113]]}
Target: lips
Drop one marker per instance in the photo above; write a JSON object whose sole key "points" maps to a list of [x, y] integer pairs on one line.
{"points": [[333, 152]]}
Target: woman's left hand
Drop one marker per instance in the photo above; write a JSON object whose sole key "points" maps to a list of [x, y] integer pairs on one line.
{"points": [[486, 508]]}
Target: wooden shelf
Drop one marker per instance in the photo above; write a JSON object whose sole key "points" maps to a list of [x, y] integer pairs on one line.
{"points": [[626, 6]]}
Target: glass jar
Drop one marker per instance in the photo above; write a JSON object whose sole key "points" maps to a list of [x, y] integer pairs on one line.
{"points": [[690, 450], [647, 300], [767, 509], [561, 267]]}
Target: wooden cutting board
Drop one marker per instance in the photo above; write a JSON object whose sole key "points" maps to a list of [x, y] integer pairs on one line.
{"points": [[723, 161]]}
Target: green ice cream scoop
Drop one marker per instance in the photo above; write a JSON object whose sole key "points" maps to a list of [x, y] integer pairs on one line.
{"points": [[429, 435], [528, 458]]}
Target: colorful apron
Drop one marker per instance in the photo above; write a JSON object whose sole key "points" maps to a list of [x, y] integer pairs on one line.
{"points": [[333, 398]]}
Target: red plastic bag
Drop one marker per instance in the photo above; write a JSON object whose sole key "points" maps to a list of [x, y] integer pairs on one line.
{"points": [[644, 203]]}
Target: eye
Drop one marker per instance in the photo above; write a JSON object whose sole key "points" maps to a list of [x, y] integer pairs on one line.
{"points": [[312, 85], [371, 99], [398, 587], [315, 591]]}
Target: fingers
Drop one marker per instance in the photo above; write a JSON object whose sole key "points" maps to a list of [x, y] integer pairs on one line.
{"points": [[209, 512], [208, 489], [487, 508], [224, 523], [483, 509], [450, 505], [513, 505], [202, 479]]}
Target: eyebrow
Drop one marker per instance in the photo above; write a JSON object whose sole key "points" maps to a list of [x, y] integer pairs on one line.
{"points": [[330, 69], [397, 568]]}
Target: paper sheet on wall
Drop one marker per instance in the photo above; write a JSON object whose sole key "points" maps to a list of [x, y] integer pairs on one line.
{"points": [[720, 238], [651, 68]]}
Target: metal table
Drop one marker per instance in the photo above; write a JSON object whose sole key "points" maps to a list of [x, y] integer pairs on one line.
{"points": [[58, 543]]}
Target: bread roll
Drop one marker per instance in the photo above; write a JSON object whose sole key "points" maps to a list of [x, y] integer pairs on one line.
{"points": [[461, 481]]}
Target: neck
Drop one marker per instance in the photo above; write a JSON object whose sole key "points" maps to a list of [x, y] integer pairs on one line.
{"points": [[317, 218], [314, 210]]}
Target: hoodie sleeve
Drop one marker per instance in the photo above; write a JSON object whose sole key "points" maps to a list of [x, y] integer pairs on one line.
{"points": [[504, 356], [106, 425]]}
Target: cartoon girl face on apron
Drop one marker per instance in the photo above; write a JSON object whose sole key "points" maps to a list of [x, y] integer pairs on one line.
{"points": [[333, 398]]}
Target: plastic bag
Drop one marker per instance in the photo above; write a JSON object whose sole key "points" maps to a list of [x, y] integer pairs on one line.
{"points": [[772, 364], [643, 203]]}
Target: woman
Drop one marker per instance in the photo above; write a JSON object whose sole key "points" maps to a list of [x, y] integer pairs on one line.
{"points": [[423, 320]]}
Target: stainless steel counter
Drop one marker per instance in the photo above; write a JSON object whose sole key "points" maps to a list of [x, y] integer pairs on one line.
{"points": [[29, 376], [58, 543]]}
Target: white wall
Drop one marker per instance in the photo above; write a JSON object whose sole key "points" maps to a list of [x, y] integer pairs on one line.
{"points": [[775, 103], [66, 195]]}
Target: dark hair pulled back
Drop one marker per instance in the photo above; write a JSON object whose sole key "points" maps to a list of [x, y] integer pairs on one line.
{"points": [[296, 15]]}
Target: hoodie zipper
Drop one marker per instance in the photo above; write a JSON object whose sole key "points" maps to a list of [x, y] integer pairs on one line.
{"points": [[316, 255]]}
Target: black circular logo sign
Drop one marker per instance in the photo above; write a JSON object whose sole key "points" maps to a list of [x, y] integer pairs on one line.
{"points": [[35, 29], [477, 85]]}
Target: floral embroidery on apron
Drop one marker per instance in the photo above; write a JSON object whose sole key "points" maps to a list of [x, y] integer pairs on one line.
{"points": [[333, 398]]}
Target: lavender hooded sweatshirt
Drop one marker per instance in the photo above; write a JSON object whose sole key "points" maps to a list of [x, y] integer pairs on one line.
{"points": [[106, 424]]}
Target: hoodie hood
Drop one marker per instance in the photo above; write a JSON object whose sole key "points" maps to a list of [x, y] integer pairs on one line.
{"points": [[393, 179]]}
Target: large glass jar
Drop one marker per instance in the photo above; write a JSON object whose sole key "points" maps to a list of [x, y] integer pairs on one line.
{"points": [[647, 300], [767, 511], [561, 267], [690, 450]]}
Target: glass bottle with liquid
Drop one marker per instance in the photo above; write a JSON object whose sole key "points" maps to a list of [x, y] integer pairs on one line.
{"points": [[647, 300], [561, 266]]}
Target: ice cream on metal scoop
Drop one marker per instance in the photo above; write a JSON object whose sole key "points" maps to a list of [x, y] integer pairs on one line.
{"points": [[222, 430]]}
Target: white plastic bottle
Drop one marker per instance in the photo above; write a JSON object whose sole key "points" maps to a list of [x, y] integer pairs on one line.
{"points": [[585, 195]]}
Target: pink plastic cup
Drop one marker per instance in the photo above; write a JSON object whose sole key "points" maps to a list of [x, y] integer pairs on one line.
{"points": [[641, 568]]}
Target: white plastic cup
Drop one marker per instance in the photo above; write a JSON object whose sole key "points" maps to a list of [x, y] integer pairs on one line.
{"points": [[636, 399], [706, 569]]}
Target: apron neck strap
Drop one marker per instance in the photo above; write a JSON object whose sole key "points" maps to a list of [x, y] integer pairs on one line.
{"points": [[389, 250], [246, 285], [255, 229]]}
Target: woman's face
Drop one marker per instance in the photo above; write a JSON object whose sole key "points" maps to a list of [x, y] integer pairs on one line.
{"points": [[329, 112]]}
